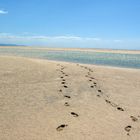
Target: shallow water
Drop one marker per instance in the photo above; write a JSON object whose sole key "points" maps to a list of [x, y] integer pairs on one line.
{"points": [[99, 58]]}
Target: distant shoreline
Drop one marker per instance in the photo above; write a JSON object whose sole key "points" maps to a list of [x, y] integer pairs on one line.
{"points": [[77, 49]]}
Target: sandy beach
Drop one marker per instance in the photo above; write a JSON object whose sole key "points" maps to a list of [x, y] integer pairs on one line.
{"points": [[49, 100]]}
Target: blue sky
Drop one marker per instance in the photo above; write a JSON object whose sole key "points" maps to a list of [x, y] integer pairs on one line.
{"points": [[71, 23]]}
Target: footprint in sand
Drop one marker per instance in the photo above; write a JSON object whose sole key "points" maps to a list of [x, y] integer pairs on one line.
{"points": [[74, 114], [62, 72], [128, 128], [134, 119], [67, 96], [61, 127], [66, 104], [63, 82], [61, 77], [92, 86], [111, 103], [92, 78], [107, 101], [119, 108], [99, 90], [60, 90], [65, 86]]}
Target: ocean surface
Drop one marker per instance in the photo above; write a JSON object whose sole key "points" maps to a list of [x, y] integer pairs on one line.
{"points": [[98, 58]]}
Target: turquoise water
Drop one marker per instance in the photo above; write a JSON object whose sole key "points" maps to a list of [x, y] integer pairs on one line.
{"points": [[99, 58]]}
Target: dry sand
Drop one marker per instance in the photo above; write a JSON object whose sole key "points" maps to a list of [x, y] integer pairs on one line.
{"points": [[93, 103]]}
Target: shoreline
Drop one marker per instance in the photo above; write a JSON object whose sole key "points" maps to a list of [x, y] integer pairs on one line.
{"points": [[77, 49]]}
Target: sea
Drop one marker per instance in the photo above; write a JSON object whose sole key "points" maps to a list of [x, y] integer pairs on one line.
{"points": [[123, 60]]}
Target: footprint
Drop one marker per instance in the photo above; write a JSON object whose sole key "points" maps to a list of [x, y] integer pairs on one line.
{"points": [[119, 108], [61, 127], [60, 90], [66, 75], [107, 101], [133, 118], [65, 86], [92, 86], [67, 96], [111, 103], [74, 114], [99, 90], [62, 72], [63, 82], [98, 96], [128, 128], [61, 77], [90, 80], [66, 104]]}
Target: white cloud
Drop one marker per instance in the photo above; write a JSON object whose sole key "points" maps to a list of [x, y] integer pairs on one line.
{"points": [[56, 38], [69, 41], [3, 12], [91, 39]]}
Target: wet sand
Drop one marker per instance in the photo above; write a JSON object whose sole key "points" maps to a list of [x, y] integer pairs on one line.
{"points": [[48, 100]]}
